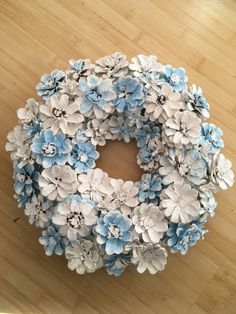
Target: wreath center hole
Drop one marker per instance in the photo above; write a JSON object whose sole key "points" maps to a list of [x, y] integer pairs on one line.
{"points": [[118, 159]]}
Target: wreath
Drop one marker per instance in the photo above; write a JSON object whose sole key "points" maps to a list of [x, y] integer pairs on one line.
{"points": [[100, 221]]}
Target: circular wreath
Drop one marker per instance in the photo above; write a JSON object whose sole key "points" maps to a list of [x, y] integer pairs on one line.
{"points": [[97, 220]]}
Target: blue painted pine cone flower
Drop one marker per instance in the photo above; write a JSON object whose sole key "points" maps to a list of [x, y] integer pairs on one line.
{"points": [[114, 231], [83, 156], [95, 96], [147, 132], [51, 149], [210, 139], [180, 237], [129, 94], [116, 264], [26, 179], [53, 241], [196, 102], [150, 188], [175, 77], [49, 83]]}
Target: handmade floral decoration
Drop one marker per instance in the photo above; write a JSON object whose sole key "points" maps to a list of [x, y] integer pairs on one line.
{"points": [[97, 221]]}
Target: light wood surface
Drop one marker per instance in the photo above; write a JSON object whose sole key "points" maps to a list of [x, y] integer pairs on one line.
{"points": [[37, 36]]}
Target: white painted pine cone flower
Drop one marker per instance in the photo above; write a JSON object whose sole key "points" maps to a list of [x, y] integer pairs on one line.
{"points": [[112, 66], [98, 131], [180, 203], [83, 256], [59, 113], [151, 257], [163, 104], [221, 173], [29, 112], [183, 128], [95, 184], [75, 217], [58, 182], [124, 197], [150, 222], [147, 69], [16, 141], [38, 211]]}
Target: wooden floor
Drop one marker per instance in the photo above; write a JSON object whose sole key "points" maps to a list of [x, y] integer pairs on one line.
{"points": [[37, 36]]}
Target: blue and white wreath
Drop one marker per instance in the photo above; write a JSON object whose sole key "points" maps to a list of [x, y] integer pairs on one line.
{"points": [[99, 221]]}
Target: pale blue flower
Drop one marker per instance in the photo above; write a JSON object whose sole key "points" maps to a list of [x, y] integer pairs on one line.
{"points": [[147, 157], [175, 77], [116, 264], [146, 132], [96, 96], [180, 237], [51, 148], [113, 231], [197, 102], [150, 188], [129, 93], [83, 156], [211, 136], [49, 83], [26, 181], [53, 241]]}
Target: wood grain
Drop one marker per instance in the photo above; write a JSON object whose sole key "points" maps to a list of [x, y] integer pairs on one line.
{"points": [[37, 36]]}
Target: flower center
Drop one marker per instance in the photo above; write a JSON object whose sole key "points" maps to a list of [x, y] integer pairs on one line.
{"points": [[49, 149], [75, 220], [58, 113], [21, 177], [114, 231], [147, 222], [83, 157], [175, 79], [146, 185], [93, 95], [183, 169], [185, 239], [50, 83], [161, 99]]}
